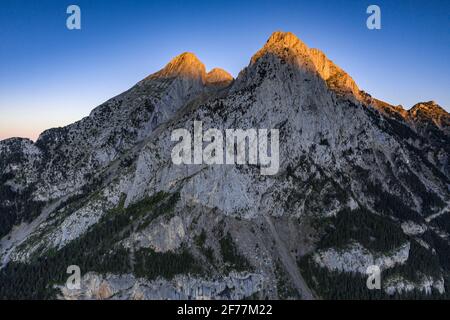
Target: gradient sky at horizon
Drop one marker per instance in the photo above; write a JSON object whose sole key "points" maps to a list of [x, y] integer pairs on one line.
{"points": [[50, 76]]}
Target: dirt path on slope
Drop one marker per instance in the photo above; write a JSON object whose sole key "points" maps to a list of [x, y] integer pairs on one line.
{"points": [[289, 263]]}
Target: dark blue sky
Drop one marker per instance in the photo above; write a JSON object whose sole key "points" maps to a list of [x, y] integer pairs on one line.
{"points": [[50, 76]]}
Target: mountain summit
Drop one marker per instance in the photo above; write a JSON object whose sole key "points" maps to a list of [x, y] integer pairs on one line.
{"points": [[188, 66], [184, 65], [430, 111], [360, 183], [218, 76], [283, 45], [286, 46]]}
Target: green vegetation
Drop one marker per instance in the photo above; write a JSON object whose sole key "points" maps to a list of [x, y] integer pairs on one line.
{"points": [[399, 129], [442, 248], [150, 208], [443, 222], [372, 231], [336, 285], [200, 239], [208, 252], [284, 287], [96, 250], [380, 234], [231, 257], [389, 204], [420, 261], [20, 207], [324, 142], [151, 264], [343, 286], [429, 199]]}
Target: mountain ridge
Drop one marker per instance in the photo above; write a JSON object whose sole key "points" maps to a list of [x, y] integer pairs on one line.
{"points": [[349, 171], [187, 64]]}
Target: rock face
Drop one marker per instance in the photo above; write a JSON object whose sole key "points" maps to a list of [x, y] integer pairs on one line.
{"points": [[93, 286], [289, 48], [335, 77], [160, 236], [219, 77], [360, 182], [425, 285], [357, 259], [186, 65], [430, 114]]}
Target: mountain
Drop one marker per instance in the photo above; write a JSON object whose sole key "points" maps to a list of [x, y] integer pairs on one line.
{"points": [[360, 183]]}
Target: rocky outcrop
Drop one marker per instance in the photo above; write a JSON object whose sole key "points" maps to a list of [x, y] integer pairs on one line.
{"points": [[339, 154], [356, 258], [412, 229], [288, 47], [429, 114], [426, 285], [185, 65], [234, 287], [161, 236], [219, 77]]}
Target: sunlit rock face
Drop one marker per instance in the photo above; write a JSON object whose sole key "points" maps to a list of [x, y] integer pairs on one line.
{"points": [[219, 77], [186, 65], [335, 77], [289, 48], [426, 115], [360, 182]]}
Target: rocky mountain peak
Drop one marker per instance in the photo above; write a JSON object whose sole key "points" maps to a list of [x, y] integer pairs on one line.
{"points": [[354, 188], [429, 107], [218, 76], [286, 39], [184, 65], [335, 77], [288, 47], [430, 112], [282, 44]]}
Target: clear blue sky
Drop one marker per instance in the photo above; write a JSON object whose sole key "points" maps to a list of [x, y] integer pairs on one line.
{"points": [[50, 76]]}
